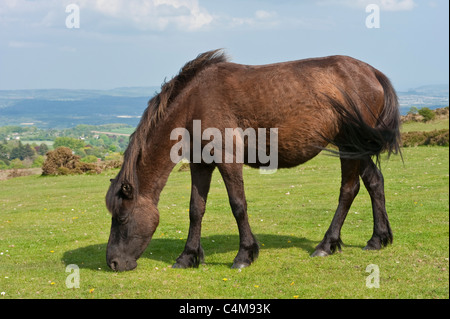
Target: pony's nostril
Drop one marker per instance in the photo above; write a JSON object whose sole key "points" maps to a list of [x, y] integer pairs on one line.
{"points": [[113, 265]]}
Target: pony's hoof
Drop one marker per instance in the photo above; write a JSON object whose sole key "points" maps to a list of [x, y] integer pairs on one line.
{"points": [[368, 247], [319, 253], [179, 266], [239, 265]]}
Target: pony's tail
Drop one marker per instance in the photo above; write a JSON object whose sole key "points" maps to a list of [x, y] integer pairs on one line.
{"points": [[356, 139]]}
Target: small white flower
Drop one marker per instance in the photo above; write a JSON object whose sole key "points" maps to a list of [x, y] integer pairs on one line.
{"points": [[3, 293]]}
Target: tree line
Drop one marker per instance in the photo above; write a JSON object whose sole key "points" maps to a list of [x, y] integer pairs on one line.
{"points": [[89, 147], [15, 154]]}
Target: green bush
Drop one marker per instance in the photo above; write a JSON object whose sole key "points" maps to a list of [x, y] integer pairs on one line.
{"points": [[38, 161], [16, 163], [3, 165], [427, 114], [89, 159]]}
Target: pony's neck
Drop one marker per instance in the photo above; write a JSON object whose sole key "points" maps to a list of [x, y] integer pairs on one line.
{"points": [[155, 164]]}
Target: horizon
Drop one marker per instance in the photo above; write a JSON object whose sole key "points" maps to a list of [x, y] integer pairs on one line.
{"points": [[98, 45], [447, 85]]}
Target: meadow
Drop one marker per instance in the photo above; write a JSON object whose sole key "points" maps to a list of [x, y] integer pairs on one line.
{"points": [[48, 223]]}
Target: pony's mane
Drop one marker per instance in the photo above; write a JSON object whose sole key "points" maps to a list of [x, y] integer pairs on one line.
{"points": [[157, 107]]}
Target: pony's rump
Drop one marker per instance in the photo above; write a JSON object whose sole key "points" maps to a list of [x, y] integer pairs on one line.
{"points": [[357, 139]]}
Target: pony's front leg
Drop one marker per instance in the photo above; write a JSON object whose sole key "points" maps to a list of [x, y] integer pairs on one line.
{"points": [[248, 246], [193, 254]]}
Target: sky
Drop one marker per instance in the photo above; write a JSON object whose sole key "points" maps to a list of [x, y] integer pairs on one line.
{"points": [[126, 43]]}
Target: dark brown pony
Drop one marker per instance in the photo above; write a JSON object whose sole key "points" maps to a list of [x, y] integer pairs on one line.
{"points": [[311, 102]]}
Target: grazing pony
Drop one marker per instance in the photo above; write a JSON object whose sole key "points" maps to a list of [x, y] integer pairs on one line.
{"points": [[311, 103]]}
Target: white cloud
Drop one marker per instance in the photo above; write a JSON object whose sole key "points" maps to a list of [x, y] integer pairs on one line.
{"points": [[154, 14], [386, 5], [25, 44], [260, 19], [186, 15], [395, 5], [261, 14]]}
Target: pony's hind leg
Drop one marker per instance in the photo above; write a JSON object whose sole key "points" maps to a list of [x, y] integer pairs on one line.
{"points": [[348, 192], [193, 255], [248, 247], [374, 183]]}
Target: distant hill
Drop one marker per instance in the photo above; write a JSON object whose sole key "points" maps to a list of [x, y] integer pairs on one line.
{"points": [[431, 96], [57, 108], [431, 90], [60, 108]]}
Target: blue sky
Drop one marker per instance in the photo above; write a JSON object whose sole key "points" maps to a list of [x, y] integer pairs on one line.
{"points": [[140, 42]]}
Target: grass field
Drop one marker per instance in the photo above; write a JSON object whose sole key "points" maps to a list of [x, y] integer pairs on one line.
{"points": [[438, 124], [48, 223]]}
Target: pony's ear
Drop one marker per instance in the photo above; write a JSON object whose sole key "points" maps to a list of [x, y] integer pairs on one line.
{"points": [[127, 190]]}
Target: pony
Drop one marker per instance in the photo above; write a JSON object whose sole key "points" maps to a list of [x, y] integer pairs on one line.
{"points": [[311, 103]]}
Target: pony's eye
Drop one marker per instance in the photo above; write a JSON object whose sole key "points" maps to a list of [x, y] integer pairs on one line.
{"points": [[127, 191]]}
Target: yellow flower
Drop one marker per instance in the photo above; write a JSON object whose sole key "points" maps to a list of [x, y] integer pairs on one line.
{"points": [[292, 283], [256, 286], [52, 283], [296, 297], [52, 251], [225, 279], [91, 290]]}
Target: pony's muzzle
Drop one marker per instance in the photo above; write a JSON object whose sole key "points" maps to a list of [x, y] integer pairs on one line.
{"points": [[117, 264]]}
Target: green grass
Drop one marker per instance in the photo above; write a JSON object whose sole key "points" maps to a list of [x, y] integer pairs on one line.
{"points": [[123, 130], [47, 223], [49, 143], [438, 124]]}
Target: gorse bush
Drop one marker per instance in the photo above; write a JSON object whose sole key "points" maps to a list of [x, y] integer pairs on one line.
{"points": [[62, 161], [432, 138], [59, 162]]}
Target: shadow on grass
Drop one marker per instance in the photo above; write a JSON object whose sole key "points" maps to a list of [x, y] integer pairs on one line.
{"points": [[168, 249]]}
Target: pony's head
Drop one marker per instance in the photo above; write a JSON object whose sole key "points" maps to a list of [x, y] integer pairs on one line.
{"points": [[134, 220]]}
